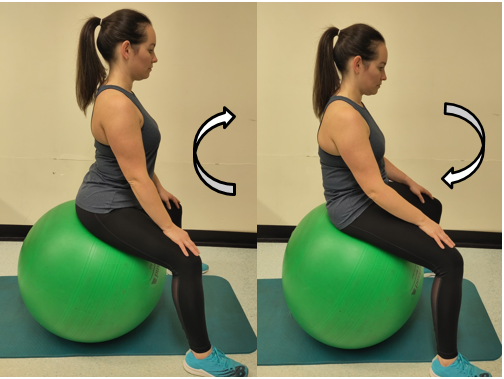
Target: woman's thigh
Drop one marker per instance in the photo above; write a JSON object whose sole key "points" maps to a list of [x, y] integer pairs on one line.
{"points": [[432, 208], [132, 231], [401, 238]]}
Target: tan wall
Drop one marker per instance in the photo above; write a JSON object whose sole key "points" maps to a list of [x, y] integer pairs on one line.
{"points": [[437, 53], [207, 60]]}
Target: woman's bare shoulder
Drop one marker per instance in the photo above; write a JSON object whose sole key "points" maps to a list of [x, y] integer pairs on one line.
{"points": [[111, 103], [340, 113], [340, 108], [111, 97]]}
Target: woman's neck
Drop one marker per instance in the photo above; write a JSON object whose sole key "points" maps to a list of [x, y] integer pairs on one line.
{"points": [[350, 92], [122, 81]]}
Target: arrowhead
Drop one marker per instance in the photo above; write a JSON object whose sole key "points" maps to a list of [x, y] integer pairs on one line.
{"points": [[448, 178], [230, 116]]}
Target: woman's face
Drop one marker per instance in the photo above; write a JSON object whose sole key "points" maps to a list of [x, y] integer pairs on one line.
{"points": [[143, 61], [375, 74]]}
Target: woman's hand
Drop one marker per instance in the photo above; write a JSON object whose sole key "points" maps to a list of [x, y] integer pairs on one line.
{"points": [[167, 196], [432, 229], [181, 238], [418, 189]]}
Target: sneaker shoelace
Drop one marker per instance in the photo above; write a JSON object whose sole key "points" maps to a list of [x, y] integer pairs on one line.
{"points": [[220, 358], [465, 366]]}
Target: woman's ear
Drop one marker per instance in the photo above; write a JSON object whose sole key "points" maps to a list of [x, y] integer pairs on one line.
{"points": [[126, 50]]}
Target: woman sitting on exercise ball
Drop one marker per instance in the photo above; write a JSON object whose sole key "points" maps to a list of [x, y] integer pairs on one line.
{"points": [[362, 202], [121, 200]]}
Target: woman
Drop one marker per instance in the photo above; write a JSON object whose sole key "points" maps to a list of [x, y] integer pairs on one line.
{"points": [[362, 202], [121, 199]]}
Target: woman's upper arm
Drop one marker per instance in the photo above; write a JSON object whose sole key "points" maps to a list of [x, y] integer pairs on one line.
{"points": [[350, 133], [122, 127]]}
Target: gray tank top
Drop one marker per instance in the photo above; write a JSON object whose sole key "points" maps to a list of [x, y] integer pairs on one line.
{"points": [[345, 200], [104, 187]]}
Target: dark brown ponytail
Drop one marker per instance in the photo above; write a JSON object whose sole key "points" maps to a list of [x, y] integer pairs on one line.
{"points": [[90, 71], [356, 40], [122, 25]]}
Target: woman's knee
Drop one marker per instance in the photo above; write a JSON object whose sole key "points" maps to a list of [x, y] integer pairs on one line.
{"points": [[173, 205], [437, 205], [452, 262], [433, 209], [175, 213], [190, 265]]}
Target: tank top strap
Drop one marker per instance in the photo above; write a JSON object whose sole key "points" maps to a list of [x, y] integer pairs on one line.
{"points": [[345, 99], [120, 89], [130, 96], [332, 99]]}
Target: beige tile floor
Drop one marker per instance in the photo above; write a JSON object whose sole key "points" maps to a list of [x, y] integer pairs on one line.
{"points": [[483, 267], [238, 266]]}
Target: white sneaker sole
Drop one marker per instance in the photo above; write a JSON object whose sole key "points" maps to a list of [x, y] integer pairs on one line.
{"points": [[194, 371], [430, 369]]}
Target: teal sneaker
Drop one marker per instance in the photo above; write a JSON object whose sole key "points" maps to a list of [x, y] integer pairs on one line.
{"points": [[204, 266], [459, 368], [216, 364]]}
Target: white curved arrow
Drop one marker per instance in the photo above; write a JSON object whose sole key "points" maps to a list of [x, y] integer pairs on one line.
{"points": [[452, 177], [224, 118]]}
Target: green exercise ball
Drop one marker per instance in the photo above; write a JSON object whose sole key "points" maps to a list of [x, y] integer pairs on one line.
{"points": [[80, 288], [345, 292]]}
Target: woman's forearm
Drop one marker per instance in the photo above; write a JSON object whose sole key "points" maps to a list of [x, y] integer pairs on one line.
{"points": [[394, 174], [387, 198], [148, 197]]}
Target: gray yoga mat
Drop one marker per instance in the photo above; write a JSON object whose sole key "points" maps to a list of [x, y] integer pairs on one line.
{"points": [[281, 341], [21, 336]]}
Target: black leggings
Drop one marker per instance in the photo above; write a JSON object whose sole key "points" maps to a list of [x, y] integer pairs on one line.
{"points": [[380, 228], [132, 231]]}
